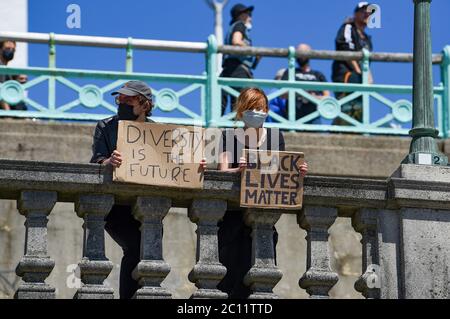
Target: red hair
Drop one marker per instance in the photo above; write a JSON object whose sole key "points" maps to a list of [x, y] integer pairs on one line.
{"points": [[251, 99]]}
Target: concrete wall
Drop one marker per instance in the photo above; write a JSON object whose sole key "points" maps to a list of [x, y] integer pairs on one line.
{"points": [[327, 154]]}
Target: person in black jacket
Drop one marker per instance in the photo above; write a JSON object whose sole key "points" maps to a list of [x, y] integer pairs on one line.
{"points": [[238, 66], [352, 37], [304, 72], [135, 101], [7, 51]]}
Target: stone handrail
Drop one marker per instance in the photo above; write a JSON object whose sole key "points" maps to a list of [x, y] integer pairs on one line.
{"points": [[373, 205]]}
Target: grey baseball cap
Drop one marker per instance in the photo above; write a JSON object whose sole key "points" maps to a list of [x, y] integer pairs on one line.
{"points": [[134, 88]]}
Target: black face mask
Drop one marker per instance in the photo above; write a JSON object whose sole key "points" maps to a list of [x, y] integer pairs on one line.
{"points": [[8, 54], [302, 62], [125, 113]]}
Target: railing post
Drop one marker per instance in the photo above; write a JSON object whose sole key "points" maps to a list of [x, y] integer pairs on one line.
{"points": [[291, 78], [445, 78], [318, 278], [365, 222], [423, 149], [152, 269], [51, 51], [129, 62], [51, 79], [208, 271], [213, 110], [94, 267], [365, 81], [264, 274], [35, 266]]}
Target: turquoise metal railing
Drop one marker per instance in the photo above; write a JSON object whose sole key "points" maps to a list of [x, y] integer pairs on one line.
{"points": [[210, 86]]}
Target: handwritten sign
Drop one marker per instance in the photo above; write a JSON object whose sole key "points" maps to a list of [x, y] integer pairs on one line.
{"points": [[272, 180], [160, 154]]}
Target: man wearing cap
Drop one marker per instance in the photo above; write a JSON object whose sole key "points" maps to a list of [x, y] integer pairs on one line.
{"points": [[135, 102], [352, 37], [238, 66]]}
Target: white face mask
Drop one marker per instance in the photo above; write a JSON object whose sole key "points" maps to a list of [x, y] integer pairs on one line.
{"points": [[249, 26], [254, 119]]}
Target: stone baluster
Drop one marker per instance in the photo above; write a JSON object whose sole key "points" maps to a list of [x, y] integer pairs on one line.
{"points": [[35, 266], [264, 274], [365, 222], [208, 271], [152, 269], [318, 278], [94, 267]]}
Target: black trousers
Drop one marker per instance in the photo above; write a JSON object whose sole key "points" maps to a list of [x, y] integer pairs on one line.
{"points": [[235, 253], [352, 108], [124, 230], [233, 69]]}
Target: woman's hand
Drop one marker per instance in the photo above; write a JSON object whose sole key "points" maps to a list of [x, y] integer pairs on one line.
{"points": [[303, 169], [115, 160], [242, 164], [203, 165]]}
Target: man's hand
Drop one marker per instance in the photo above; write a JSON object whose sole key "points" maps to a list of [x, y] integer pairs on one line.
{"points": [[242, 164], [356, 67], [322, 96], [370, 78], [203, 165], [303, 169], [5, 106], [115, 160]]}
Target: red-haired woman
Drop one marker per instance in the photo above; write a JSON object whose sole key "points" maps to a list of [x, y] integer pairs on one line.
{"points": [[235, 243]]}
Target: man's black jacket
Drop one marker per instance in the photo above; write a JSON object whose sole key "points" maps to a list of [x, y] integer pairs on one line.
{"points": [[105, 139]]}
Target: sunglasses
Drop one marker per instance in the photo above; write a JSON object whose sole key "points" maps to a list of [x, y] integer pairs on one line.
{"points": [[141, 99]]}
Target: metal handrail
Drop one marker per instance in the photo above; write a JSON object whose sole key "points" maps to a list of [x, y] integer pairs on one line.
{"points": [[104, 42], [201, 47], [324, 54]]}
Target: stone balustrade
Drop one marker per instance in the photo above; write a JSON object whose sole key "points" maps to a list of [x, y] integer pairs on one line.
{"points": [[404, 222]]}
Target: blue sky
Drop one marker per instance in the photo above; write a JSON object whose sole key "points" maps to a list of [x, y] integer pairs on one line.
{"points": [[277, 23]]}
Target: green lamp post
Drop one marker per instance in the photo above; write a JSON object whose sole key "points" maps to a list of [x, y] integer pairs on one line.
{"points": [[423, 149]]}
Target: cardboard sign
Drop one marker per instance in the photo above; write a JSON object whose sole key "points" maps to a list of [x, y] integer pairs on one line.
{"points": [[272, 180], [160, 154]]}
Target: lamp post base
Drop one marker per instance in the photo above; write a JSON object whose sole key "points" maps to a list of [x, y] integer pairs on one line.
{"points": [[425, 158]]}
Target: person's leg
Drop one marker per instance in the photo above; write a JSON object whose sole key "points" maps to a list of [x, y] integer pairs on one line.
{"points": [[124, 230], [227, 255], [225, 73], [128, 286], [354, 107], [235, 251], [243, 263], [241, 72], [303, 108], [224, 102]]}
